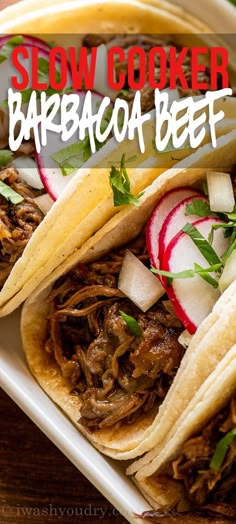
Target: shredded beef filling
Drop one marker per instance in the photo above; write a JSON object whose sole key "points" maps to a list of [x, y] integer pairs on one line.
{"points": [[207, 488], [17, 222], [127, 41], [119, 376]]}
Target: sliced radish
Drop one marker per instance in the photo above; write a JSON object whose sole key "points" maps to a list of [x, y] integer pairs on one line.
{"points": [[138, 283], [158, 216], [50, 172], [28, 39], [176, 220], [28, 171], [44, 202], [192, 298]]}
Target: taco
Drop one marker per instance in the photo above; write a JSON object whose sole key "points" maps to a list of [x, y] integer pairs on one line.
{"points": [[86, 202], [104, 341], [194, 475]]}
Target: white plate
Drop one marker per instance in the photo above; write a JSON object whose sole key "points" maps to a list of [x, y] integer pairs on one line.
{"points": [[108, 476], [104, 473]]}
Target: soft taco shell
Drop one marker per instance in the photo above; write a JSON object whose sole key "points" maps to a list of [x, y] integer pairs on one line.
{"points": [[204, 352], [28, 17], [213, 395]]}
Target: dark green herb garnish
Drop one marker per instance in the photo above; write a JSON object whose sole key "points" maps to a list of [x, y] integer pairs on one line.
{"points": [[190, 273], [5, 157], [123, 92], [132, 324], [202, 244], [198, 207], [128, 161], [120, 184], [7, 48], [205, 188], [10, 194], [73, 156], [221, 449]]}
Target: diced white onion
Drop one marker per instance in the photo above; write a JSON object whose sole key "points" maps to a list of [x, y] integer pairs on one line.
{"points": [[221, 194], [28, 171], [185, 339], [173, 95], [100, 77], [44, 202], [138, 283], [229, 273]]}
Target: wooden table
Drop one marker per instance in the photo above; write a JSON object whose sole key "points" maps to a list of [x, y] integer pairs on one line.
{"points": [[37, 483]]}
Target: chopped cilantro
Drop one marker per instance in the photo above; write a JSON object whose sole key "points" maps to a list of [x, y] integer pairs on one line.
{"points": [[202, 244], [221, 449], [5, 157], [132, 324], [190, 273], [120, 184], [198, 207], [7, 48], [10, 194]]}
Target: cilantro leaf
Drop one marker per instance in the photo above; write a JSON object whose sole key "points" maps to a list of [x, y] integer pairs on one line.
{"points": [[190, 273], [198, 207], [221, 449], [5, 157], [205, 274], [231, 248], [51, 43], [232, 216], [132, 324], [202, 244], [205, 188], [128, 161], [10, 194], [75, 155], [7, 48], [120, 184], [123, 92]]}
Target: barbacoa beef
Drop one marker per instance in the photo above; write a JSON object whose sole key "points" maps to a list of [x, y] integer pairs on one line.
{"points": [[119, 376], [209, 490], [17, 222]]}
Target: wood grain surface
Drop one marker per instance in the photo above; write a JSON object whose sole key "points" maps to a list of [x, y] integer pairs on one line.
{"points": [[38, 484]]}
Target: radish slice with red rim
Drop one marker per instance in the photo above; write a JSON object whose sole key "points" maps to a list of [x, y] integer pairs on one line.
{"points": [[50, 171], [28, 39], [176, 220], [169, 201], [192, 298]]}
